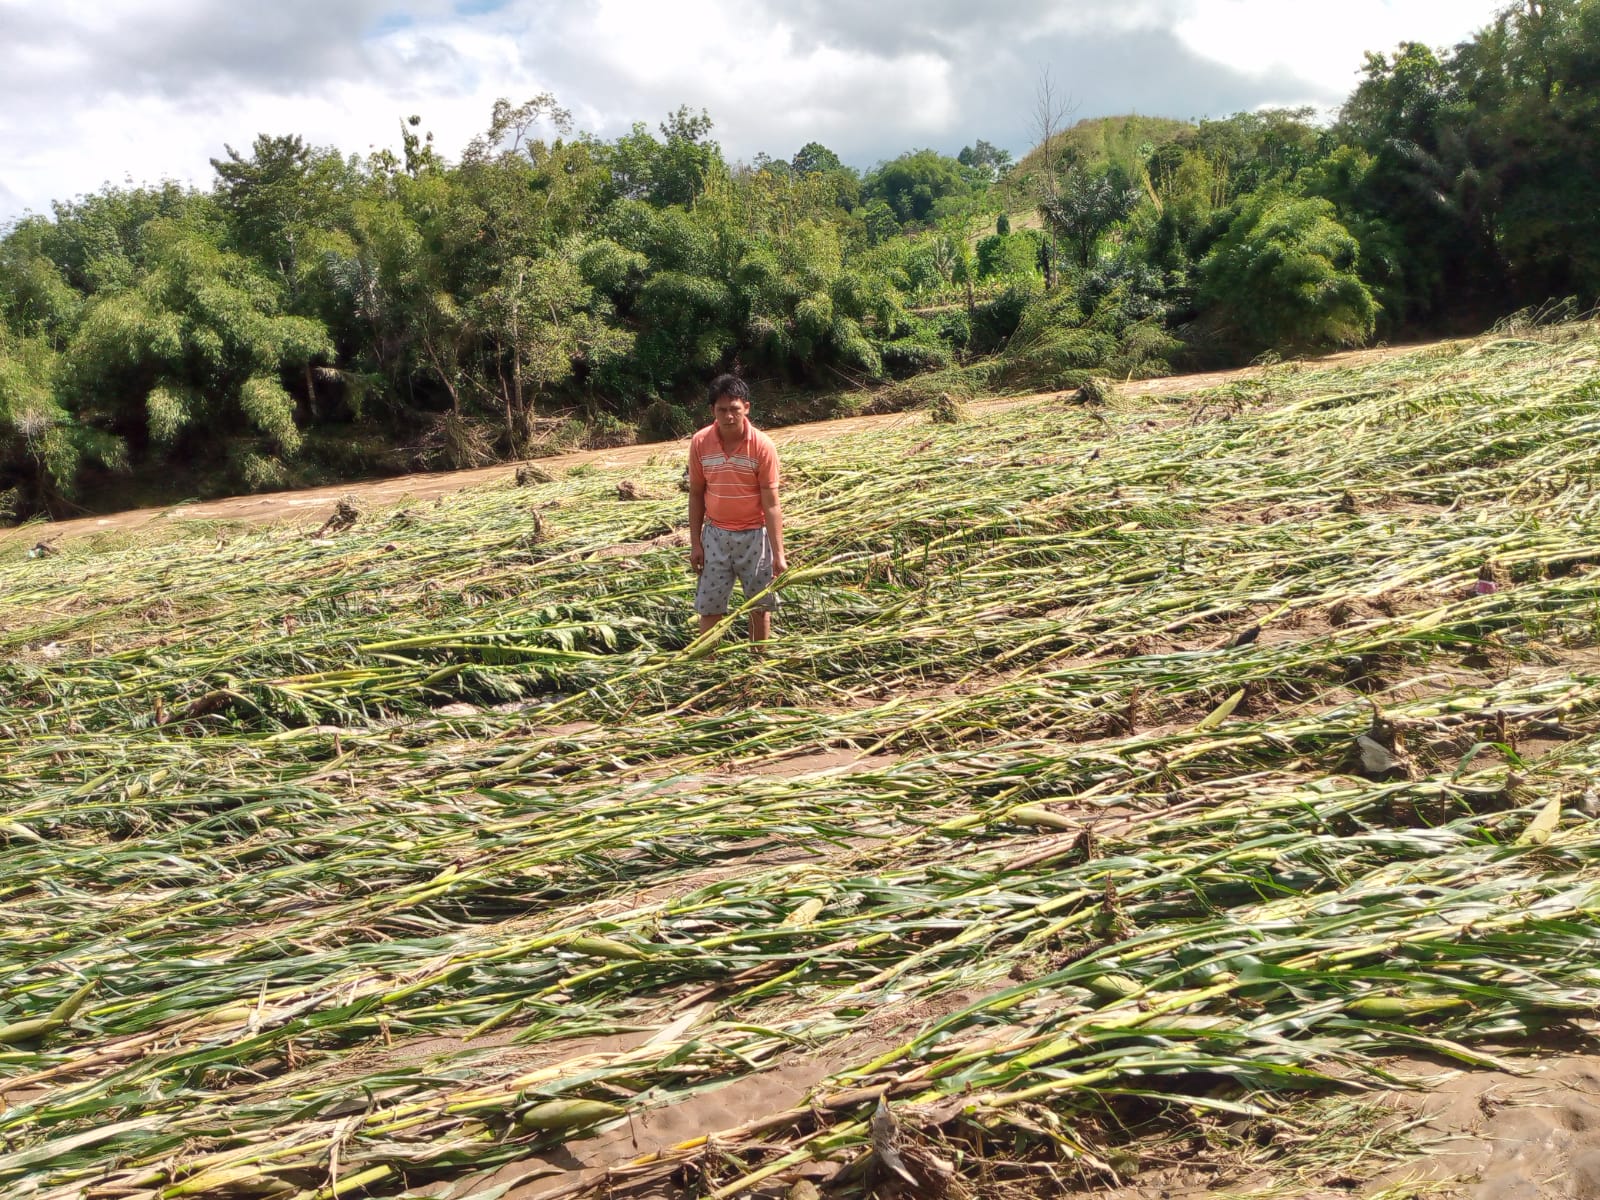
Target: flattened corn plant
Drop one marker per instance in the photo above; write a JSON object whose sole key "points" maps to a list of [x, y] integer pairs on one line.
{"points": [[1111, 772]]}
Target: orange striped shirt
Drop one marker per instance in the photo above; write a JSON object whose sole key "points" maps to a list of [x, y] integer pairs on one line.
{"points": [[733, 482]]}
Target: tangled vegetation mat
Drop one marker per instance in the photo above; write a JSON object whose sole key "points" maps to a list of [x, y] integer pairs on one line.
{"points": [[1132, 787]]}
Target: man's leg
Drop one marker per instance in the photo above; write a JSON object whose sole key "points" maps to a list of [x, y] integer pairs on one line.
{"points": [[716, 580], [753, 563]]}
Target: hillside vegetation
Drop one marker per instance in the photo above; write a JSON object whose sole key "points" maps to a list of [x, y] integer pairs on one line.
{"points": [[1125, 779], [317, 316]]}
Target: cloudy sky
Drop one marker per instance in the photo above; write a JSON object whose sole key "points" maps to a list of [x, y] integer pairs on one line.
{"points": [[97, 91]]}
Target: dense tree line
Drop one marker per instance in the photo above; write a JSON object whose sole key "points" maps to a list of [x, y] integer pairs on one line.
{"points": [[317, 314]]}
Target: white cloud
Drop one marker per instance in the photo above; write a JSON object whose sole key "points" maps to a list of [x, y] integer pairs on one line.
{"points": [[1324, 47], [449, 72], [10, 201], [760, 81], [151, 89]]}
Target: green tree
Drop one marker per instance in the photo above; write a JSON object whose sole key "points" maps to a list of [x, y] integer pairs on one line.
{"points": [[765, 163], [420, 156], [1285, 276], [1529, 105], [1086, 206], [542, 318], [96, 240], [42, 446], [1249, 150], [688, 158], [911, 184], [1401, 97], [401, 333], [35, 299], [986, 162], [278, 199], [671, 171], [197, 347], [1008, 255], [879, 221], [814, 158], [1484, 161], [511, 127], [1387, 263], [285, 205]]}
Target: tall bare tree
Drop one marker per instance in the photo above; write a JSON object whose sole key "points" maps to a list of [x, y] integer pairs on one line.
{"points": [[1050, 113]]}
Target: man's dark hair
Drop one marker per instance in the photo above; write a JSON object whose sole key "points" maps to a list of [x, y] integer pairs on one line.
{"points": [[728, 385]]}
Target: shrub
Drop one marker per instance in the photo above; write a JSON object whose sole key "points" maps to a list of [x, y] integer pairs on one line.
{"points": [[606, 431], [258, 472], [1285, 275], [453, 441], [664, 421], [1008, 255], [994, 321], [952, 327], [910, 356]]}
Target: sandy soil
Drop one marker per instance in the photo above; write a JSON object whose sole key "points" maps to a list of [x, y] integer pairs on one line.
{"points": [[1487, 1135], [1531, 1133], [1510, 1137], [312, 505]]}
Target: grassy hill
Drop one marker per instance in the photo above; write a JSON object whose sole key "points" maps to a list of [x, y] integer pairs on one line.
{"points": [[1122, 778], [1099, 142]]}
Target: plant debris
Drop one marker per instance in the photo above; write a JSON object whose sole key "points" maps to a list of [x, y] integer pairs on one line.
{"points": [[1014, 864]]}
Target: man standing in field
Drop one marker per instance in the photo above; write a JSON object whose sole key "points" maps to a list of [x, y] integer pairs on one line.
{"points": [[735, 524]]}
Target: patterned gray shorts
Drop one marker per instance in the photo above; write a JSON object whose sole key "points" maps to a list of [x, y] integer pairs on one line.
{"points": [[744, 553]]}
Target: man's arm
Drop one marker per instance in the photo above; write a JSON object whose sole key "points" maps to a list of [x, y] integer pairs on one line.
{"points": [[774, 518], [697, 519]]}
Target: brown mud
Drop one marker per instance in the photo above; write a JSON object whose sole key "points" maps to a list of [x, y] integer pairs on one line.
{"points": [[1533, 1134]]}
